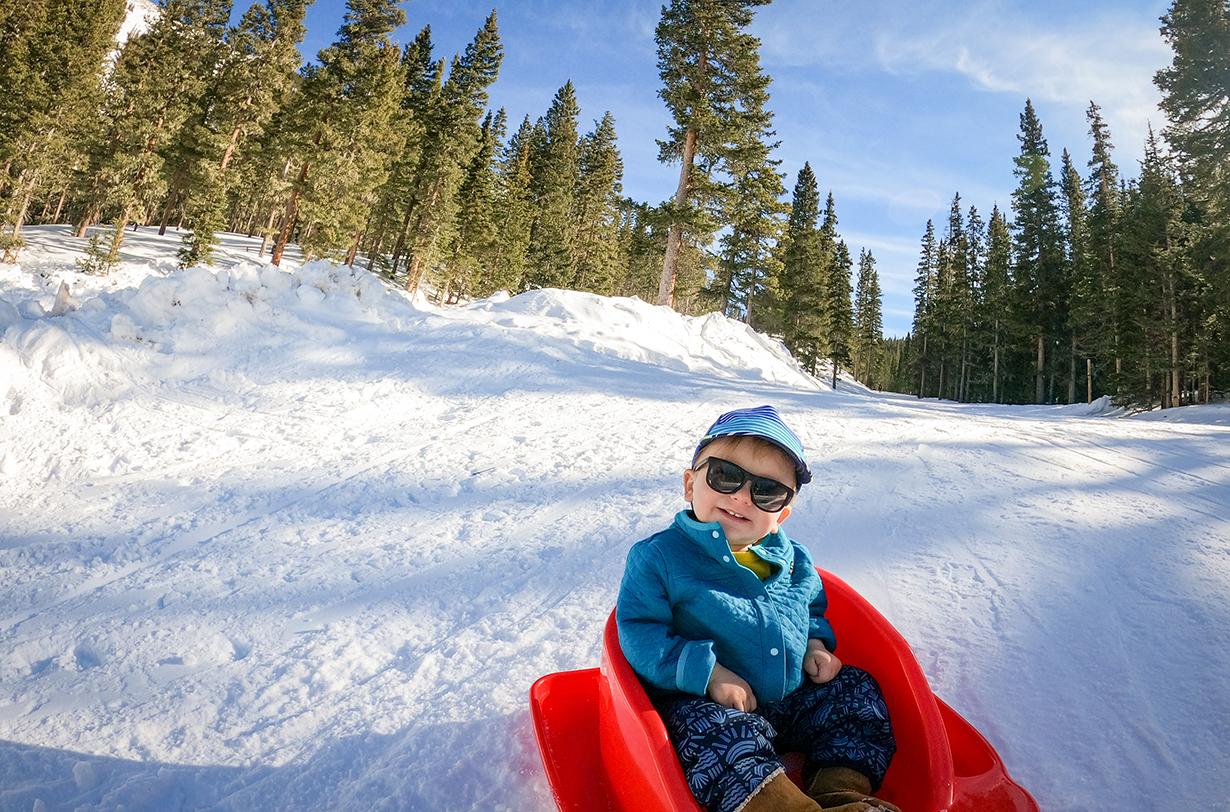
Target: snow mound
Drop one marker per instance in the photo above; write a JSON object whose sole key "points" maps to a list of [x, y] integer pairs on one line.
{"points": [[633, 330], [190, 325]]}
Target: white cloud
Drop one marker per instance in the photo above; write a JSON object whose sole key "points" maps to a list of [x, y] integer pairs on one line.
{"points": [[1110, 60]]}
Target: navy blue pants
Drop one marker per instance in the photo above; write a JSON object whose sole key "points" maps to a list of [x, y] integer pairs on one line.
{"points": [[727, 754]]}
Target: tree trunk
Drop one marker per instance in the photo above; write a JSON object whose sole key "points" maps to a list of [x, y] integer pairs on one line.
{"points": [[354, 247], [292, 208], [85, 222], [1040, 374], [230, 147], [1072, 372], [674, 240], [375, 252], [118, 238], [412, 276], [172, 199], [1174, 347], [20, 219], [995, 367]]}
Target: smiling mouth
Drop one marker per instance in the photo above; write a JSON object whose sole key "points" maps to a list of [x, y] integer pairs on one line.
{"points": [[732, 513]]}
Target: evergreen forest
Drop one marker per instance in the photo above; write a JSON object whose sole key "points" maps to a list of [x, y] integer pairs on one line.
{"points": [[389, 157]]}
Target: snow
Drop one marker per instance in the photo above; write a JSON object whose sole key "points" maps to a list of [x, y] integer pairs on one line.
{"points": [[287, 540], [139, 17]]}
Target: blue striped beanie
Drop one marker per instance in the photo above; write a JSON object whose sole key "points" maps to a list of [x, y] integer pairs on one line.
{"points": [[763, 422]]}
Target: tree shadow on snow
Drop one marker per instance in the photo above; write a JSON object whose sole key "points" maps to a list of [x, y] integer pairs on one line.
{"points": [[485, 764]]}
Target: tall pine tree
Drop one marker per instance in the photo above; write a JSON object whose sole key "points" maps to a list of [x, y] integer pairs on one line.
{"points": [[597, 209], [556, 168], [51, 61], [453, 135], [868, 320], [1040, 297], [804, 257], [252, 83], [710, 72]]}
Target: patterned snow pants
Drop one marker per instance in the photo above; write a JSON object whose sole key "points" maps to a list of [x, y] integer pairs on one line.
{"points": [[727, 754]]}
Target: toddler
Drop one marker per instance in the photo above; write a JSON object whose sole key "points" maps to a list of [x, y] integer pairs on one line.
{"points": [[722, 617]]}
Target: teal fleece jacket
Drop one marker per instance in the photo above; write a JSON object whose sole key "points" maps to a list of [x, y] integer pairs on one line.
{"points": [[685, 604]]}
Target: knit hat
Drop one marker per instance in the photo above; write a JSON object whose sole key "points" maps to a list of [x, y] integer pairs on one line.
{"points": [[763, 422]]}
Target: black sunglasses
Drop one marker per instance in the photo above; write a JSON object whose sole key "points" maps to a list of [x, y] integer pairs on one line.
{"points": [[725, 477]]}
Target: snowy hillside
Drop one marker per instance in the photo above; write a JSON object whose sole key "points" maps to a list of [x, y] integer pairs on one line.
{"points": [[139, 17], [289, 541]]}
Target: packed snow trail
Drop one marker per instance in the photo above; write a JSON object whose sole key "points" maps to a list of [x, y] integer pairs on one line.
{"points": [[293, 542]]}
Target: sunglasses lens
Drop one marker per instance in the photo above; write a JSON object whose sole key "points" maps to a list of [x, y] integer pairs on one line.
{"points": [[771, 499], [724, 477], [767, 494]]}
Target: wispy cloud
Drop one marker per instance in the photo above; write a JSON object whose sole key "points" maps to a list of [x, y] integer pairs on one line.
{"points": [[1110, 60]]}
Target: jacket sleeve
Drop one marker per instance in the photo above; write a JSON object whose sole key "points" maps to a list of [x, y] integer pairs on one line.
{"points": [[643, 616], [817, 625]]}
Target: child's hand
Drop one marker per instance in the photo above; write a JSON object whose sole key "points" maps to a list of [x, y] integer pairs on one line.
{"points": [[819, 663], [730, 690]]}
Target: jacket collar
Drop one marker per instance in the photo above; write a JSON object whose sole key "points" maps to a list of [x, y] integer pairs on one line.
{"points": [[774, 548]]}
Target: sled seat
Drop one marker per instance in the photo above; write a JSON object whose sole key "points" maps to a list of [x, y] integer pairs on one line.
{"points": [[605, 748]]}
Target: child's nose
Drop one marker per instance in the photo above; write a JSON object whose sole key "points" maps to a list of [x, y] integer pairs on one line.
{"points": [[745, 491]]}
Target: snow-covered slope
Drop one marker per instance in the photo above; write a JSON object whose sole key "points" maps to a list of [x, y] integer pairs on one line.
{"points": [[290, 541], [139, 17]]}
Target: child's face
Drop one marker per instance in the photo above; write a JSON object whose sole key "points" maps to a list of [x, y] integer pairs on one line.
{"points": [[743, 522]]}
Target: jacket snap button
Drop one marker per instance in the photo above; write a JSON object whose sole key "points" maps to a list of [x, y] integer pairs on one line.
{"points": [[726, 558], [716, 534], [773, 651]]}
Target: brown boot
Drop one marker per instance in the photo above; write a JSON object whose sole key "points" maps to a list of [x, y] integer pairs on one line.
{"points": [[779, 794], [841, 789]]}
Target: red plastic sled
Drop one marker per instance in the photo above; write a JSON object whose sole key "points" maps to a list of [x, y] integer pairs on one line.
{"points": [[605, 748]]}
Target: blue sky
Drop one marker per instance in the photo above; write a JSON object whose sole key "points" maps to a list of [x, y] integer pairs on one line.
{"points": [[897, 104]]}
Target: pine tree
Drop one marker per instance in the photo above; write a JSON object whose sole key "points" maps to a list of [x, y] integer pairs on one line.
{"points": [[753, 208], [340, 100], [159, 84], [1076, 265], [1095, 291], [51, 58], [972, 373], [926, 285], [264, 174], [470, 266], [838, 309], [597, 209], [514, 209], [750, 205], [1159, 305], [642, 239], [995, 297], [350, 104], [421, 100], [710, 71], [1038, 254], [449, 142], [1196, 99], [868, 321], [556, 169], [251, 84], [951, 305], [804, 260]]}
